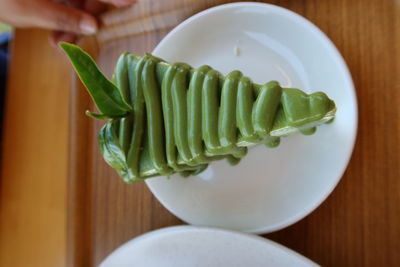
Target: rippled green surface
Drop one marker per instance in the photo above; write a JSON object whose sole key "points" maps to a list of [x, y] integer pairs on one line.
{"points": [[181, 118]]}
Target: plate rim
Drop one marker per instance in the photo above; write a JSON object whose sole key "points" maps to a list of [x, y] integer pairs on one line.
{"points": [[336, 55], [179, 228]]}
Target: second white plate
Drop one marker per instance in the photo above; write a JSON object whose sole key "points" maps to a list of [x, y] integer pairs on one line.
{"points": [[270, 188], [182, 246]]}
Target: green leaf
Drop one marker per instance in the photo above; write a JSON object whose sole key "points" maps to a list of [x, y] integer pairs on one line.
{"points": [[103, 116], [105, 94], [113, 153]]}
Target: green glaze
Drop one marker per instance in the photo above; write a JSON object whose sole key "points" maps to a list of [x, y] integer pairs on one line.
{"points": [[330, 121], [168, 112], [227, 129], [308, 131], [195, 138], [244, 107], [301, 109], [137, 100], [178, 119], [273, 142], [210, 97], [179, 103], [155, 130], [265, 107], [122, 82]]}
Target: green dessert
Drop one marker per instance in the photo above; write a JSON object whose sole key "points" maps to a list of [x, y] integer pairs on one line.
{"points": [[165, 118]]}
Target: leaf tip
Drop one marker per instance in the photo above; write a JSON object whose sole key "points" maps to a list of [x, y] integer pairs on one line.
{"points": [[65, 46], [96, 116]]}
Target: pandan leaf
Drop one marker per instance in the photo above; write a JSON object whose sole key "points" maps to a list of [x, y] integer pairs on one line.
{"points": [[103, 116], [112, 151], [105, 94]]}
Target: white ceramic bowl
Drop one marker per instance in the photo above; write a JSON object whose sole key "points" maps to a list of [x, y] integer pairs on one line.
{"points": [[183, 246], [271, 188]]}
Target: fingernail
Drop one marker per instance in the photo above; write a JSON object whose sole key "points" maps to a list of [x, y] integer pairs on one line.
{"points": [[122, 3], [88, 25]]}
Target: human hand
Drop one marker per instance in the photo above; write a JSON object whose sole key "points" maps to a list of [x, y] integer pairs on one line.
{"points": [[68, 18]]}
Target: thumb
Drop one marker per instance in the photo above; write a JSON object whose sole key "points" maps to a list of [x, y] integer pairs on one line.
{"points": [[57, 16]]}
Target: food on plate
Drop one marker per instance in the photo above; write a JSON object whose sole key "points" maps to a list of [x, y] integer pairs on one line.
{"points": [[164, 118]]}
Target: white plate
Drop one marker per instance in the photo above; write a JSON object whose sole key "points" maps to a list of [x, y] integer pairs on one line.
{"points": [[270, 188], [183, 246]]}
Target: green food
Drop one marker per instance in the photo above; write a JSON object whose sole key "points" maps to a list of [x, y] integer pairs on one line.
{"points": [[166, 118]]}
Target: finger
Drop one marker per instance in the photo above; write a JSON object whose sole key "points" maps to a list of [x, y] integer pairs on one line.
{"points": [[95, 7], [60, 17], [75, 3], [67, 37], [59, 36], [119, 3], [53, 37]]}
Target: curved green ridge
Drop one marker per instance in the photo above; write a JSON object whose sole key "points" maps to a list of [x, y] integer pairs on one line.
{"points": [[182, 118], [179, 105], [169, 117], [195, 137], [126, 124]]}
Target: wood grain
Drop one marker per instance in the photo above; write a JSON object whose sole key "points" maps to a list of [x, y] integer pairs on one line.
{"points": [[34, 155], [358, 225]]}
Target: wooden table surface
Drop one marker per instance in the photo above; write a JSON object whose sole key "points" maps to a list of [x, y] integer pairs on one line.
{"points": [[358, 225], [34, 155]]}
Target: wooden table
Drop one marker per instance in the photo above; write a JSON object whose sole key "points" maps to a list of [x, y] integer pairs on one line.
{"points": [[45, 221], [34, 155]]}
